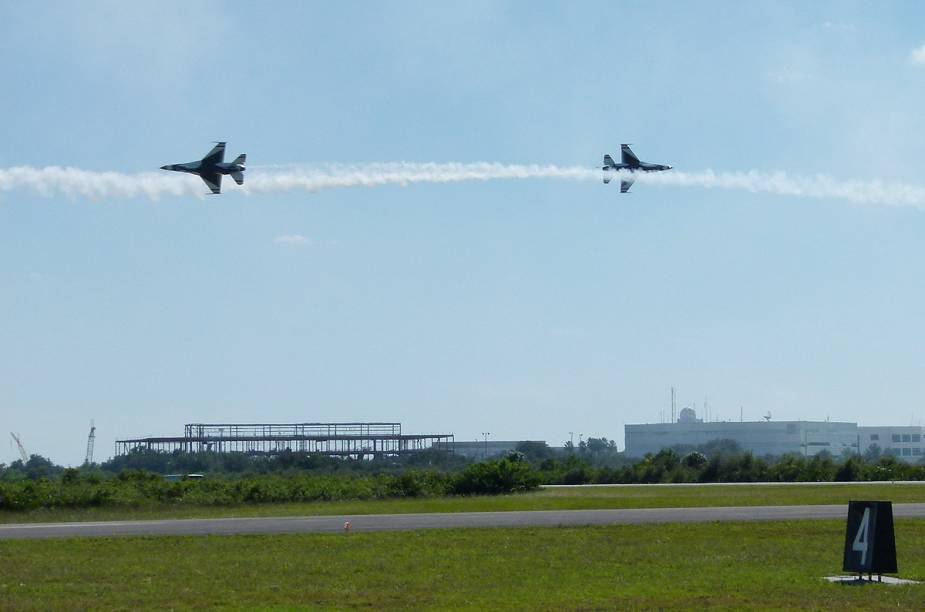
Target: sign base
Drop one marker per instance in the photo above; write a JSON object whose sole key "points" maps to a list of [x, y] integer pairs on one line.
{"points": [[859, 581]]}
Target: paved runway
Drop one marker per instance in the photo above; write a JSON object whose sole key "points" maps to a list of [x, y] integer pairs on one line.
{"points": [[395, 522], [737, 484]]}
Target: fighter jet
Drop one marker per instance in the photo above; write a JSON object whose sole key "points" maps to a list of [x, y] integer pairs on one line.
{"points": [[630, 164], [211, 168]]}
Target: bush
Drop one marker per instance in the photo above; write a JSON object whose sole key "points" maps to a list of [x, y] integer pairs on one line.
{"points": [[495, 477], [851, 470], [694, 460], [577, 475]]}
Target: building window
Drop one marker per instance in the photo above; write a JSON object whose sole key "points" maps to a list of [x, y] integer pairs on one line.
{"points": [[916, 437], [874, 436], [917, 451], [896, 437], [907, 438], [907, 452]]}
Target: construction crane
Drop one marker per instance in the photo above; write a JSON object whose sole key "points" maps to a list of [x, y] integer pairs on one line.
{"points": [[90, 439], [22, 450]]}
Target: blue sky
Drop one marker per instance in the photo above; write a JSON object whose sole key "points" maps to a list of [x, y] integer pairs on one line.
{"points": [[524, 308]]}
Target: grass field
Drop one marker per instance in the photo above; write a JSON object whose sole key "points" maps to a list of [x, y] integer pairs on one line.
{"points": [[734, 565], [547, 499]]}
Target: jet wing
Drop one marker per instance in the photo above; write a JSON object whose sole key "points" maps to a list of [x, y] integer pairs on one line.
{"points": [[216, 155], [626, 183], [213, 181]]}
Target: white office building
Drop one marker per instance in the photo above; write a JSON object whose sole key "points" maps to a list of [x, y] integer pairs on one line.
{"points": [[903, 441], [761, 438]]}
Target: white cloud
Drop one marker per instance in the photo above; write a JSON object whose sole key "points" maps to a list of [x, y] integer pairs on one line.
{"points": [[293, 239], [918, 55]]}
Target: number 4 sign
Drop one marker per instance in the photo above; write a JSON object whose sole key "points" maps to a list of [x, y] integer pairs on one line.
{"points": [[870, 546]]}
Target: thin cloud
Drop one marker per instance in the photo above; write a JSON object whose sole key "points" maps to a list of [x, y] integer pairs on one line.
{"points": [[839, 26], [918, 55], [292, 239]]}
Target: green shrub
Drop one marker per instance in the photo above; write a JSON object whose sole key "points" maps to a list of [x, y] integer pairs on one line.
{"points": [[496, 477]]}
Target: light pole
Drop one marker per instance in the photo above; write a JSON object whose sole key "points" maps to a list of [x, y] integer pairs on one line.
{"points": [[485, 435]]}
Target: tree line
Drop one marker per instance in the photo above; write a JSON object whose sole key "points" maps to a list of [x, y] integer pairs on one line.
{"points": [[669, 466], [598, 462], [76, 488], [137, 479]]}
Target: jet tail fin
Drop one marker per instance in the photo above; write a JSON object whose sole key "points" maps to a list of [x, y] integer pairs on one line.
{"points": [[628, 157], [238, 177], [607, 179], [609, 162], [240, 160]]}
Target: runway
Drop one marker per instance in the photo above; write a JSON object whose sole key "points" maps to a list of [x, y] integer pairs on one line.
{"points": [[457, 520], [812, 483]]}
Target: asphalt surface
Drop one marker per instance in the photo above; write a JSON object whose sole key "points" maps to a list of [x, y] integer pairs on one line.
{"points": [[456, 520], [736, 484]]}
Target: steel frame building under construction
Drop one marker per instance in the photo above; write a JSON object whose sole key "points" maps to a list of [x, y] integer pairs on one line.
{"points": [[357, 440]]}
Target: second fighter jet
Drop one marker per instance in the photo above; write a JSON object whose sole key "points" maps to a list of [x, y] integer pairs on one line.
{"points": [[629, 164], [211, 168]]}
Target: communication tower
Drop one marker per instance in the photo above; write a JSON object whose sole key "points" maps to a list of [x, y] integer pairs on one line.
{"points": [[90, 440]]}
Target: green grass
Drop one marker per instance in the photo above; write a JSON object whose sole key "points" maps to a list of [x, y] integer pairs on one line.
{"points": [[547, 499], [732, 565]]}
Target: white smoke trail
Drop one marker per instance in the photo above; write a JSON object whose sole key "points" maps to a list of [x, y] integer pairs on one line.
{"points": [[819, 186], [374, 175], [72, 182]]}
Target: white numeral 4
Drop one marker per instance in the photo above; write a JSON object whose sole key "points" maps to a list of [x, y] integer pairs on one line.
{"points": [[860, 540]]}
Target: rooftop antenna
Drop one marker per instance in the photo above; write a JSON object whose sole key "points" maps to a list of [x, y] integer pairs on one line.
{"points": [[741, 412], [90, 440], [767, 417]]}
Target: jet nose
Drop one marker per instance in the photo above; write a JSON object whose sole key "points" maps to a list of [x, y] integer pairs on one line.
{"points": [[165, 167]]}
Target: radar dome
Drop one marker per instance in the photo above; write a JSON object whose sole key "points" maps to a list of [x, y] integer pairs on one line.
{"points": [[687, 416]]}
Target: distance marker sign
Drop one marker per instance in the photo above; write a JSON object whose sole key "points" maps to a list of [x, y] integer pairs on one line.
{"points": [[870, 546]]}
